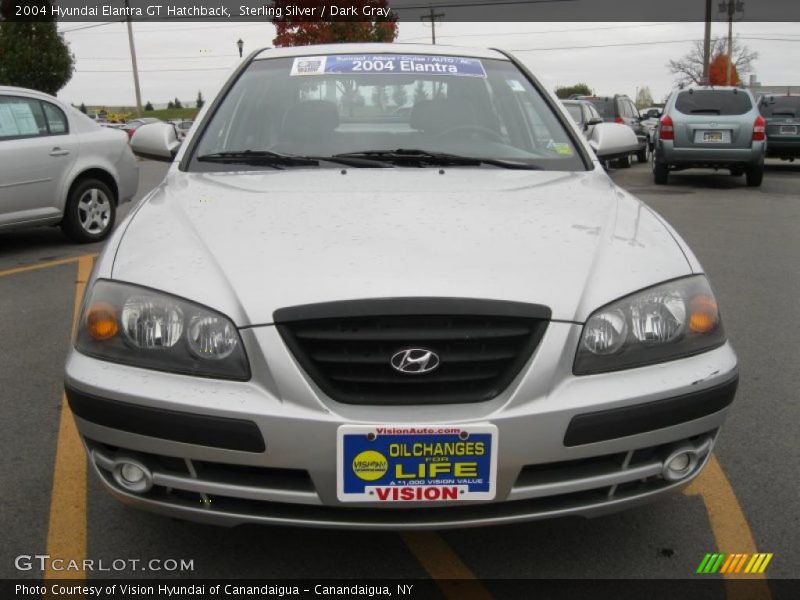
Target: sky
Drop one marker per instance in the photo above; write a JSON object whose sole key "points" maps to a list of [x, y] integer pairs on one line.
{"points": [[178, 60]]}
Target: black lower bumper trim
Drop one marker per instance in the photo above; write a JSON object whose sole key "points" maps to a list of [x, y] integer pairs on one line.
{"points": [[641, 418], [176, 426]]}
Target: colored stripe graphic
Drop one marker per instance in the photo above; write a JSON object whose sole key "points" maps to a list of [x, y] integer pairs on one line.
{"points": [[719, 562]]}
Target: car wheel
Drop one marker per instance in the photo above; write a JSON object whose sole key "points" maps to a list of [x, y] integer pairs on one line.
{"points": [[90, 212], [755, 175], [660, 170], [642, 155], [624, 162]]}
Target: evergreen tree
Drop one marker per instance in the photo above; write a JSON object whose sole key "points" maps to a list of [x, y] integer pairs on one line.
{"points": [[32, 54], [177, 103], [200, 100], [82, 108], [148, 107]]}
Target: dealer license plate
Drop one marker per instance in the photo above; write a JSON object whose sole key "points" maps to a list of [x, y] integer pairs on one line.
{"points": [[712, 136], [789, 129], [412, 463]]}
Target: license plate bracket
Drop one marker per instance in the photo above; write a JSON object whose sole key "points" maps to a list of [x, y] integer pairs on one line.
{"points": [[713, 137], [789, 129], [411, 463]]}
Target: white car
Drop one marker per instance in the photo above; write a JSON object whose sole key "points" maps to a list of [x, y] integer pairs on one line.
{"points": [[57, 166]]}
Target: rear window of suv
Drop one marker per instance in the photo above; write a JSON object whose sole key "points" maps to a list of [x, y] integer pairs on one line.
{"points": [[713, 102], [780, 106]]}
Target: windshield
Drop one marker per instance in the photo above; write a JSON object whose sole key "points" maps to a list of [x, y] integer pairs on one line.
{"points": [[780, 106], [323, 106], [604, 106]]}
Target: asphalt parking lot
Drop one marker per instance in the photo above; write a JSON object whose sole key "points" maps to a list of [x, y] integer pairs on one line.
{"points": [[746, 500]]}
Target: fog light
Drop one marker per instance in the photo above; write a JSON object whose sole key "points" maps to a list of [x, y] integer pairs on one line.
{"points": [[679, 464], [132, 475]]}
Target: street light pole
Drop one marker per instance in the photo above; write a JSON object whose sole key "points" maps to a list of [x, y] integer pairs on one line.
{"points": [[134, 65]]}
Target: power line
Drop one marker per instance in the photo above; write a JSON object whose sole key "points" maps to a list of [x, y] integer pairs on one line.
{"points": [[157, 57], [648, 43], [157, 70], [485, 34]]}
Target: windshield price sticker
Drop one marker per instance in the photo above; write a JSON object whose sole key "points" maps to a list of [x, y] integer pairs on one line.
{"points": [[394, 463], [387, 64]]}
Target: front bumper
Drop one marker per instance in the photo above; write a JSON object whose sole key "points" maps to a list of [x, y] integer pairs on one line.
{"points": [[567, 445]]}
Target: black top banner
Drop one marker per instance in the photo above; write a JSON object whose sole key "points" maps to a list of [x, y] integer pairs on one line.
{"points": [[402, 10]]}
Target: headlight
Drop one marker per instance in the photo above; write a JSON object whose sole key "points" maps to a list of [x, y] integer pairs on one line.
{"points": [[672, 320], [137, 326]]}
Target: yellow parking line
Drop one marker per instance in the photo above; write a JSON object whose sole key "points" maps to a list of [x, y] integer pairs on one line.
{"points": [[66, 534], [729, 526], [444, 566], [45, 265]]}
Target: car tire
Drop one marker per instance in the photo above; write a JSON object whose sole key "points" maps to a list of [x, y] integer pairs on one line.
{"points": [[660, 170], [755, 175], [642, 155], [90, 212], [624, 162]]}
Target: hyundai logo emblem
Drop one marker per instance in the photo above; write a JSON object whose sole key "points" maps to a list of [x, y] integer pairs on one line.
{"points": [[415, 361]]}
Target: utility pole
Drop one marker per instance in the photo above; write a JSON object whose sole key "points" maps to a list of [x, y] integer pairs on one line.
{"points": [[731, 7], [432, 18], [135, 67], [707, 43]]}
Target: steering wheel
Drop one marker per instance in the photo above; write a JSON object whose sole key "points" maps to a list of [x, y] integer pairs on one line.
{"points": [[461, 129]]}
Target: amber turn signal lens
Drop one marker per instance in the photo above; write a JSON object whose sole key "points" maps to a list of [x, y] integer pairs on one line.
{"points": [[703, 314], [101, 321]]}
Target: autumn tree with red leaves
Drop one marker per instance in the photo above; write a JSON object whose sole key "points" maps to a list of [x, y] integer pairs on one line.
{"points": [[304, 32], [718, 71]]}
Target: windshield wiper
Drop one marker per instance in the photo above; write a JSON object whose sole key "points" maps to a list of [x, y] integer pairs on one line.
{"points": [[265, 157], [278, 159], [411, 156]]}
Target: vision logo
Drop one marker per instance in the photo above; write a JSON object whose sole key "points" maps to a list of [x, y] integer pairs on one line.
{"points": [[734, 563]]}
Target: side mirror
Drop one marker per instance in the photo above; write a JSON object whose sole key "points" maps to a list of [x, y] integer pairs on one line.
{"points": [[158, 141], [612, 140]]}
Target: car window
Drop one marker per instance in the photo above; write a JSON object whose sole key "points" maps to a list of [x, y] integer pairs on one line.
{"points": [[575, 112], [56, 119], [21, 118], [326, 105], [593, 114], [634, 112], [780, 106], [604, 106], [713, 102]]}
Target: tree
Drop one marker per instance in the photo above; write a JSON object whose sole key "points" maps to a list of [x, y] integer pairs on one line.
{"points": [[419, 92], [379, 97], [32, 54], [344, 29], [644, 97], [581, 89], [200, 100], [718, 71], [82, 108], [148, 107], [399, 95], [177, 103], [689, 68], [170, 105]]}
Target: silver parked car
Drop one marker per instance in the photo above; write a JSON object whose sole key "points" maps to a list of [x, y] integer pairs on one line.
{"points": [[334, 315], [59, 166], [711, 127], [587, 119]]}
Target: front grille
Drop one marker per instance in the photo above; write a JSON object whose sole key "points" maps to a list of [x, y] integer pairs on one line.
{"points": [[349, 356]]}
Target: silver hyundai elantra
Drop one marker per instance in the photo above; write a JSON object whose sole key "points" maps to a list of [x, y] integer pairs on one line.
{"points": [[388, 286]]}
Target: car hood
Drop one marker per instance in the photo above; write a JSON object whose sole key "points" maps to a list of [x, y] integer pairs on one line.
{"points": [[247, 244]]}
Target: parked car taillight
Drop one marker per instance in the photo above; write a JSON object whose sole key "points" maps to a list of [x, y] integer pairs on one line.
{"points": [[666, 131], [130, 132], [759, 129], [619, 120]]}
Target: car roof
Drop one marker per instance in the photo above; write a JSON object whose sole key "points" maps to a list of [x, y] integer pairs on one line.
{"points": [[393, 48], [9, 89]]}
